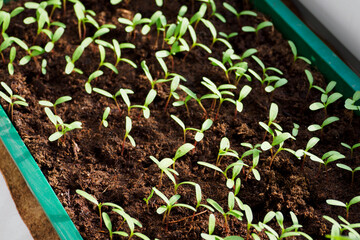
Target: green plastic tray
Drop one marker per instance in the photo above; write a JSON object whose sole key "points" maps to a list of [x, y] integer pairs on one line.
{"points": [[309, 45]]}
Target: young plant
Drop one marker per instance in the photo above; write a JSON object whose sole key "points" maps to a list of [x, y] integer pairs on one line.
{"points": [[58, 101], [225, 150], [109, 95], [181, 151], [213, 32], [352, 148], [11, 60], [148, 199], [329, 157], [169, 205], [325, 101], [257, 28], [310, 144], [61, 127], [352, 104], [294, 51], [238, 14], [117, 50], [148, 100], [12, 99], [228, 36], [316, 127], [104, 122], [198, 196], [199, 132], [232, 212], [255, 162], [273, 112], [128, 126], [347, 168], [338, 203], [109, 65], [108, 225], [243, 94], [54, 37], [82, 17], [173, 87], [131, 25], [195, 43], [191, 94], [131, 222], [265, 76], [70, 62], [164, 167], [310, 79]]}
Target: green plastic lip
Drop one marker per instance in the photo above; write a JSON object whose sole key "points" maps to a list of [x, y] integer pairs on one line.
{"points": [[308, 44], [36, 180]]}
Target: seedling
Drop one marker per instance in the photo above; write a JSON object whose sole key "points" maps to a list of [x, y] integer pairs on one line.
{"points": [[61, 127], [352, 148], [213, 32], [5, 18], [170, 204], [173, 87], [316, 127], [255, 162], [257, 28], [11, 60], [82, 17], [148, 100], [218, 92], [92, 199], [131, 25], [249, 219], [148, 199], [214, 12], [198, 196], [131, 222], [338, 203], [228, 36], [128, 126], [181, 151], [325, 101], [182, 125], [311, 143], [243, 94], [295, 130], [273, 112], [12, 99], [102, 60], [265, 77], [124, 94], [352, 103], [225, 150], [238, 14], [54, 37], [58, 101], [117, 50], [191, 94], [310, 78], [337, 230], [104, 122], [92, 76], [164, 167], [279, 140], [347, 168], [294, 51], [109, 95], [108, 225], [195, 43], [211, 227], [329, 157], [232, 212], [196, 18], [70, 62], [4, 45]]}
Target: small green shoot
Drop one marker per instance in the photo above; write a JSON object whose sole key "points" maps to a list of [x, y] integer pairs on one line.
{"points": [[128, 127], [316, 127], [347, 168], [12, 99], [131, 25], [104, 122], [238, 14], [148, 199], [351, 148], [108, 225], [294, 51], [338, 203], [58, 101], [225, 150], [11, 60], [164, 165], [257, 28]]}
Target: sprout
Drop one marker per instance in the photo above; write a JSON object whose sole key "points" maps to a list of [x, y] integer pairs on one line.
{"points": [[181, 151], [11, 60], [351, 147], [170, 204], [58, 101], [295, 130], [310, 78], [82, 16], [12, 99], [238, 14], [128, 126], [54, 37], [228, 36], [325, 101], [4, 45], [109, 95], [311, 143], [149, 99], [164, 167], [198, 196], [199, 15], [148, 199], [104, 122], [244, 92], [294, 51], [117, 50], [195, 43], [213, 32], [61, 127], [131, 25], [257, 28], [131, 222], [347, 168], [265, 77], [329, 157], [199, 132], [231, 204], [108, 225], [92, 76], [173, 87], [316, 127], [225, 150], [338, 203], [274, 109], [352, 104], [255, 162], [5, 18], [70, 62], [102, 60]]}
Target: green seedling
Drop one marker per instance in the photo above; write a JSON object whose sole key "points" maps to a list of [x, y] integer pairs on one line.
{"points": [[128, 126], [117, 50], [244, 92], [316, 127], [173, 87], [214, 12], [109, 95], [148, 74], [310, 79], [56, 4], [294, 51], [199, 135], [124, 93], [191, 94], [148, 100], [54, 37], [92, 199], [218, 92], [225, 150], [337, 230], [167, 74], [196, 18], [61, 127], [338, 203], [43, 66], [4, 45], [181, 151], [82, 16], [58, 101], [295, 130], [329, 157], [211, 227], [325, 101], [148, 199], [241, 72], [232, 212], [237, 167], [352, 104], [70, 62], [160, 21], [104, 122], [279, 82], [265, 77], [131, 25], [108, 225], [278, 140], [11, 60], [273, 112], [238, 14], [228, 36], [347, 168], [131, 222], [310, 144], [352, 148], [5, 18], [102, 53], [92, 76], [257, 28], [249, 218], [255, 162], [12, 99], [164, 167], [213, 32], [198, 196], [170, 204], [32, 52], [195, 43]]}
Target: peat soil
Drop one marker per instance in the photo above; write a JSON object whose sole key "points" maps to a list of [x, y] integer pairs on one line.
{"points": [[90, 158]]}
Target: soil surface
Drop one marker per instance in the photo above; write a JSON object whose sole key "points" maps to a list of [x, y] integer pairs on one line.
{"points": [[90, 158]]}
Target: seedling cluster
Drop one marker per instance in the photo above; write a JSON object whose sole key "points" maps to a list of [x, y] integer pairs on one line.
{"points": [[194, 107]]}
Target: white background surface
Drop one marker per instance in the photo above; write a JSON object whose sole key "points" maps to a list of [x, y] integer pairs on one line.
{"points": [[341, 18], [11, 225]]}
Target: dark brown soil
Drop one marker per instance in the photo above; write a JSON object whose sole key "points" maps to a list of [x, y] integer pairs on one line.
{"points": [[90, 159]]}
